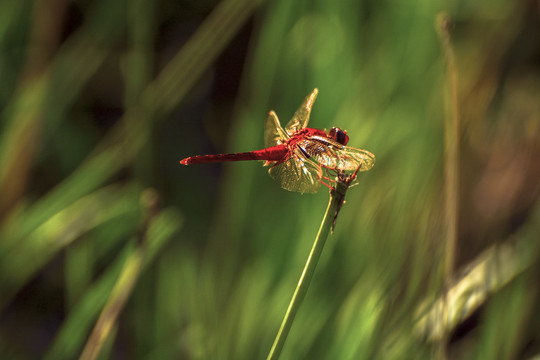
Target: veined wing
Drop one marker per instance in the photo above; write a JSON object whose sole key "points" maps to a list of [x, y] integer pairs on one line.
{"points": [[273, 132], [297, 173], [334, 155], [350, 159], [301, 117]]}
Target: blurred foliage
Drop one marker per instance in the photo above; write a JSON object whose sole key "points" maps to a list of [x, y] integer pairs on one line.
{"points": [[107, 244]]}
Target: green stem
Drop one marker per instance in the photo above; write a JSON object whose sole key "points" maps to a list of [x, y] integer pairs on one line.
{"points": [[337, 197]]}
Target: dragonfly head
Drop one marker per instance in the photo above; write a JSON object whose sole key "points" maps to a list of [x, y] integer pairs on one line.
{"points": [[338, 135]]}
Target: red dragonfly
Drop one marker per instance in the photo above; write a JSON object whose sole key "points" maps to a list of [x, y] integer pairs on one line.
{"points": [[297, 154]]}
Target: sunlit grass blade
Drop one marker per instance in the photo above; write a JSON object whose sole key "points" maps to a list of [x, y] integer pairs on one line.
{"points": [[120, 293], [485, 276], [125, 140], [22, 255], [46, 89], [124, 285], [76, 327], [173, 83], [19, 142], [135, 257]]}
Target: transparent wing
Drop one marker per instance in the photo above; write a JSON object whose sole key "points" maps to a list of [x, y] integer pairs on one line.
{"points": [[350, 159], [297, 173], [333, 155], [317, 146], [273, 132], [301, 116]]}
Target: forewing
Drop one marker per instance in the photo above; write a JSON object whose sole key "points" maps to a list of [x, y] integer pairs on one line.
{"points": [[333, 155], [297, 174], [322, 150], [273, 132], [301, 116]]}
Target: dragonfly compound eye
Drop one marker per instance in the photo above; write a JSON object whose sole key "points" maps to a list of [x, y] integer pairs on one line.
{"points": [[339, 135]]}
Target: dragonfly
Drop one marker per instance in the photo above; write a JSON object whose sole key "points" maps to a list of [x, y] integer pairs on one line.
{"points": [[299, 156]]}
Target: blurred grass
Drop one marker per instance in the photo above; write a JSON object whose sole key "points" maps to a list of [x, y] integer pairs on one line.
{"points": [[99, 101]]}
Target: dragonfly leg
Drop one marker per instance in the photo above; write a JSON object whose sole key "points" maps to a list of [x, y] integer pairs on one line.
{"points": [[325, 184], [331, 181], [356, 171]]}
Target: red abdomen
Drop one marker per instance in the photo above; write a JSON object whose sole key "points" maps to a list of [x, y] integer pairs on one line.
{"points": [[275, 153]]}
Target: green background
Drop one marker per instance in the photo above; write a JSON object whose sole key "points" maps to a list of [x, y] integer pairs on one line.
{"points": [[101, 99]]}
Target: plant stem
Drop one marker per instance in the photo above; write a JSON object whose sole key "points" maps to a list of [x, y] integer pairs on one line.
{"points": [[337, 198], [451, 162], [451, 145]]}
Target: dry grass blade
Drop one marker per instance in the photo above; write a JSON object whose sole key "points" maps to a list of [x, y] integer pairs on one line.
{"points": [[451, 145], [487, 274], [112, 289]]}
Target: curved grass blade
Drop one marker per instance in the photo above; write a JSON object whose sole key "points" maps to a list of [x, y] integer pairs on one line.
{"points": [[113, 288], [23, 255]]}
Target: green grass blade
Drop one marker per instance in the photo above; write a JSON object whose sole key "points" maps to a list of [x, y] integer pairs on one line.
{"points": [[22, 255], [131, 262]]}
